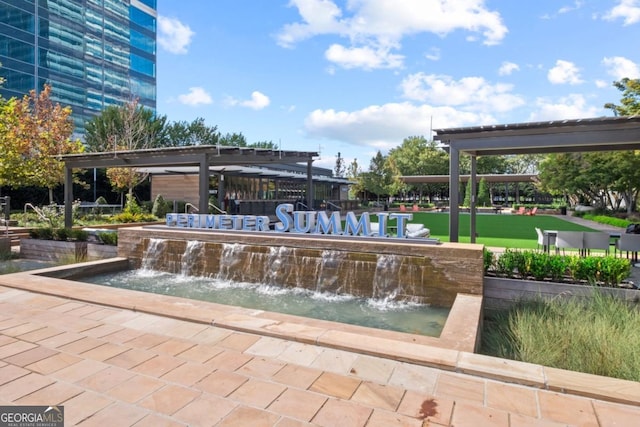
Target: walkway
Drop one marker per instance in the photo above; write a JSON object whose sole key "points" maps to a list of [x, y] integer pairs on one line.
{"points": [[116, 367]]}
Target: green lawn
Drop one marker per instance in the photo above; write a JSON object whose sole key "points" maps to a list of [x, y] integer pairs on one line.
{"points": [[507, 231]]}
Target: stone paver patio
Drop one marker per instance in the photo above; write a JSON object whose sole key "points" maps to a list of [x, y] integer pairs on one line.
{"points": [[111, 366]]}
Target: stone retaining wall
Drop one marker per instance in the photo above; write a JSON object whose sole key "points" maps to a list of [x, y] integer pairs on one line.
{"points": [[427, 273]]}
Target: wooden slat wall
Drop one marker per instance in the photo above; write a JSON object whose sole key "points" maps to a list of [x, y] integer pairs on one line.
{"points": [[176, 187]]}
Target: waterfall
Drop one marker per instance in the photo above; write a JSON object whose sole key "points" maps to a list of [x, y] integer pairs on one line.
{"points": [[276, 264], [329, 271], [229, 257], [189, 259], [386, 276], [153, 254]]}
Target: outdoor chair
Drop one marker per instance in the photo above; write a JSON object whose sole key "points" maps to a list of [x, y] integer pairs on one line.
{"points": [[545, 241], [521, 211], [597, 240], [629, 243], [532, 212], [570, 240]]}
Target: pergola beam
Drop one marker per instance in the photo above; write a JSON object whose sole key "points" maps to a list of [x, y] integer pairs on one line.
{"points": [[201, 156]]}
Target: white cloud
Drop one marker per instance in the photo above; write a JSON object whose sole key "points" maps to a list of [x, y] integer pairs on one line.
{"points": [[173, 35], [564, 72], [258, 101], [433, 54], [628, 10], [471, 93], [619, 67], [196, 96], [507, 68], [601, 84], [362, 57], [573, 106], [377, 27], [382, 127], [575, 6]]}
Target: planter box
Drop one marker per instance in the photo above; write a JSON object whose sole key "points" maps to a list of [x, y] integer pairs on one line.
{"points": [[53, 250], [98, 251], [5, 245], [501, 293]]}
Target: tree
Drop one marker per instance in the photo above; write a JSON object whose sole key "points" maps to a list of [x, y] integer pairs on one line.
{"points": [[484, 198], [417, 156], [340, 169], [266, 145], [630, 101], [36, 132], [182, 134], [382, 179], [233, 140], [127, 127]]}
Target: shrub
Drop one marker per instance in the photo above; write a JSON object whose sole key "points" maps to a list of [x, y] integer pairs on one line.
{"points": [[61, 234], [44, 233], [489, 259], [79, 235], [604, 219], [128, 217], [108, 237], [160, 207], [597, 270]]}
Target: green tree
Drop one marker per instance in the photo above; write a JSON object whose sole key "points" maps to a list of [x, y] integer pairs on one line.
{"points": [[382, 178], [417, 156], [182, 134], [233, 140], [265, 145], [127, 127], [467, 194], [630, 101], [484, 198]]}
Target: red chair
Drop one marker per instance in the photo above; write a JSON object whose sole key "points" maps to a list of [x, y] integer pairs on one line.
{"points": [[532, 211], [521, 211]]}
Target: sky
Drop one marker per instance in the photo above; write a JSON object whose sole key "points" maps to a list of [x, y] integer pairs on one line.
{"points": [[359, 76]]}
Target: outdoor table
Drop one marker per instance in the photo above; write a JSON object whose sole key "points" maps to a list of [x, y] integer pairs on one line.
{"points": [[497, 209]]}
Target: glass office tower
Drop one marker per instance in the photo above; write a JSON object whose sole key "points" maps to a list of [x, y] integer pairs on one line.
{"points": [[93, 53]]}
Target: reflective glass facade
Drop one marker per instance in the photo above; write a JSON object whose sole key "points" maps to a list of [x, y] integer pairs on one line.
{"points": [[93, 53]]}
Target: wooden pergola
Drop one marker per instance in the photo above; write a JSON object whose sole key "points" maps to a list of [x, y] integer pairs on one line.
{"points": [[201, 156], [581, 135]]}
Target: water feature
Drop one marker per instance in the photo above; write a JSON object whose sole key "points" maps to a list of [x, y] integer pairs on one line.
{"points": [[287, 280]]}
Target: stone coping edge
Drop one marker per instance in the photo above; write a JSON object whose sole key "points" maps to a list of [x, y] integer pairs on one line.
{"points": [[426, 351]]}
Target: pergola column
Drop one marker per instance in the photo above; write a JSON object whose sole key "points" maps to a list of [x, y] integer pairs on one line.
{"points": [[203, 185], [68, 197], [454, 193], [472, 211]]}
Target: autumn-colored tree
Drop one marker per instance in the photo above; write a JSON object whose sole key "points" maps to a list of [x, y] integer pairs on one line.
{"points": [[36, 133]]}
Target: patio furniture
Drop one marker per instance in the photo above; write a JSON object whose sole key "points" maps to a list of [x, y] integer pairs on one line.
{"points": [[570, 240], [597, 240], [521, 211], [629, 243], [545, 240], [532, 212]]}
